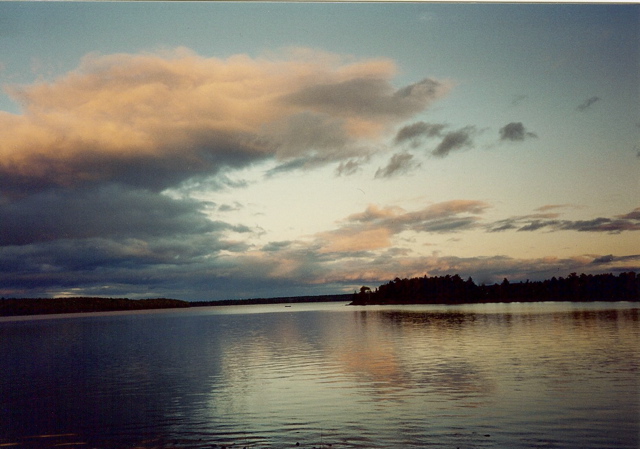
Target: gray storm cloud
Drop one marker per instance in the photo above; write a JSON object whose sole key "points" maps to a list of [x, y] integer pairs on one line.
{"points": [[107, 212]]}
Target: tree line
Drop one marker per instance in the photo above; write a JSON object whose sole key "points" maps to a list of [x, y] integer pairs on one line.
{"points": [[454, 290], [278, 300], [48, 306], [44, 306]]}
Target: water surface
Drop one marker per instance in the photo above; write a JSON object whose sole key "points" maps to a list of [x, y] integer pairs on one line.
{"points": [[546, 375]]}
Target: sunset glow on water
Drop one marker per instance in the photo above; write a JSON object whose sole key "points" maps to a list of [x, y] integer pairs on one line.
{"points": [[509, 375]]}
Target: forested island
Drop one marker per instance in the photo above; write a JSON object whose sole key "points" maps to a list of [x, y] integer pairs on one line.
{"points": [[454, 290]]}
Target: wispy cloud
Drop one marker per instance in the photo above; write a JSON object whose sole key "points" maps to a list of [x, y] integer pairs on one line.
{"points": [[350, 166], [418, 133], [374, 228], [548, 207], [399, 164], [633, 215], [610, 258], [517, 100], [551, 222], [364, 248], [588, 103], [455, 140]]}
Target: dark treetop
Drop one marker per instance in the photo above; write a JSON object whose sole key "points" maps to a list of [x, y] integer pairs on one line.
{"points": [[454, 290]]}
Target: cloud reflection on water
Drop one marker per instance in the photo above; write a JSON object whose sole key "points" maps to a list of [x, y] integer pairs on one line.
{"points": [[368, 377]]}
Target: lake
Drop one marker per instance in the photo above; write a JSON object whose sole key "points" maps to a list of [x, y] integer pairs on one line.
{"points": [[539, 375]]}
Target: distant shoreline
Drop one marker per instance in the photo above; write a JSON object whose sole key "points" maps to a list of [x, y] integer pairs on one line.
{"points": [[49, 306], [17, 307], [441, 290]]}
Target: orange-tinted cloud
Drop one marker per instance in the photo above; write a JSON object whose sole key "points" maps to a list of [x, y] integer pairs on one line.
{"points": [[156, 119], [356, 239], [374, 228]]}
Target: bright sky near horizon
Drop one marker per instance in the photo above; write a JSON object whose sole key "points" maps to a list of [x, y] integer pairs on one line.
{"points": [[231, 150]]}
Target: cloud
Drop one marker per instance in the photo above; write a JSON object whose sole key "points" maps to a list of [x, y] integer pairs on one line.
{"points": [[611, 259], [548, 207], [515, 132], [108, 211], [350, 167], [550, 222], [455, 140], [612, 226], [277, 246], [399, 164], [518, 99], [98, 168], [633, 215], [368, 97], [92, 152], [587, 103], [183, 267], [113, 266], [375, 213], [307, 134], [156, 120], [356, 238], [531, 222], [361, 250], [415, 132], [374, 228], [398, 219], [354, 266], [230, 207]]}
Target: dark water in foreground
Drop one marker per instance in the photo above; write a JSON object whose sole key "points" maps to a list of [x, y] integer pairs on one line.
{"points": [[547, 375]]}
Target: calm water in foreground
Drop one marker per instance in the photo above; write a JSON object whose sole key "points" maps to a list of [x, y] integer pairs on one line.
{"points": [[548, 375]]}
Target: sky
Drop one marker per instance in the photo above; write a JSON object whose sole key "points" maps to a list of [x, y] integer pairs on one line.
{"points": [[207, 151]]}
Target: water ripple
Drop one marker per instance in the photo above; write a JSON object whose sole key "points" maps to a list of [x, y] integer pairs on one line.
{"points": [[410, 377]]}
